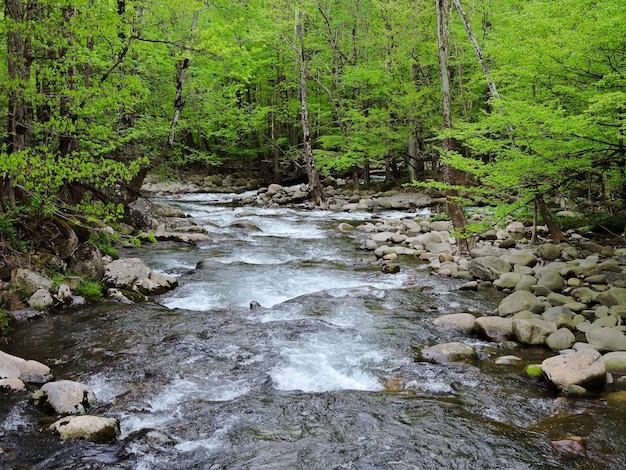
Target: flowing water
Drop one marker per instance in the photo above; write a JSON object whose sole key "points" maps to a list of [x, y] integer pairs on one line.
{"points": [[323, 375]]}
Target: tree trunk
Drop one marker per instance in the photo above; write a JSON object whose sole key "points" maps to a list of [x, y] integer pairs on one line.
{"points": [[555, 231], [479, 54], [455, 211], [315, 186], [180, 82]]}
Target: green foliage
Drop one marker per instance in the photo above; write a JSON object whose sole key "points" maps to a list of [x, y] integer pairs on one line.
{"points": [[472, 229], [106, 243], [92, 291], [6, 321]]}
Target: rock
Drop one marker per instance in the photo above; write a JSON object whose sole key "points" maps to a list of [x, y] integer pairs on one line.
{"points": [[551, 280], [86, 261], [448, 352], [585, 295], [508, 360], [382, 237], [572, 445], [441, 226], [519, 301], [345, 227], [90, 428], [532, 331], [274, 189], [521, 259], [133, 275], [549, 251], [13, 384], [13, 367], [41, 299], [64, 397], [584, 368], [606, 339], [560, 339], [613, 296], [615, 362], [516, 227], [469, 286], [488, 268], [436, 248], [494, 328], [29, 281], [533, 371], [461, 322], [508, 280]]}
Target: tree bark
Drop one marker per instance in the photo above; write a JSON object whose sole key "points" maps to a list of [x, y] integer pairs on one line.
{"points": [[479, 53], [555, 231], [180, 82], [315, 186], [455, 211]]}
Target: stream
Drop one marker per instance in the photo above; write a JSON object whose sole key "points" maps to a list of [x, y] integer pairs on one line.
{"points": [[323, 375]]}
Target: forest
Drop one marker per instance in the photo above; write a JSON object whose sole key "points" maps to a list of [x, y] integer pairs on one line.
{"points": [[516, 103]]}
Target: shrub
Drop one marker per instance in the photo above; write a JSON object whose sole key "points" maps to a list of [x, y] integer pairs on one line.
{"points": [[91, 290]]}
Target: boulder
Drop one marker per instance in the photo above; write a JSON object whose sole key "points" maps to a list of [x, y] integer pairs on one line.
{"points": [[521, 259], [494, 328], [461, 322], [13, 367], [519, 301], [41, 299], [561, 339], [613, 296], [583, 368], [488, 268], [13, 384], [508, 280], [133, 275], [549, 251], [86, 261], [532, 331], [448, 352], [64, 397], [551, 280], [90, 428], [606, 339], [29, 281], [615, 362]]}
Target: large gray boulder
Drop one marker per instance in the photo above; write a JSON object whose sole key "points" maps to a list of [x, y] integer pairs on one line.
{"points": [[606, 339], [532, 331], [494, 328], [519, 301], [488, 268], [28, 281], [64, 397], [583, 368], [521, 258], [551, 280], [448, 352], [86, 261], [132, 274], [90, 428], [461, 322], [13, 367]]}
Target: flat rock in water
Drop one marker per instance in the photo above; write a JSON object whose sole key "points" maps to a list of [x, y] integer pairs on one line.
{"points": [[65, 397], [494, 328], [13, 367], [90, 428], [448, 352], [461, 322], [584, 368]]}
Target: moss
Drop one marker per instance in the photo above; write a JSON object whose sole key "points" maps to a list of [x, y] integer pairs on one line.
{"points": [[90, 290], [533, 371]]}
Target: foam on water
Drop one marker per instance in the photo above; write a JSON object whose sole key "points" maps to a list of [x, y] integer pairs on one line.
{"points": [[325, 362]]}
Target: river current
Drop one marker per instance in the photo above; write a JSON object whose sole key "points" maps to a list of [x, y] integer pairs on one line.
{"points": [[323, 375]]}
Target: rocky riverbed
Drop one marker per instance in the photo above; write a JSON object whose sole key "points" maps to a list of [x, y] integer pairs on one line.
{"points": [[569, 299]]}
